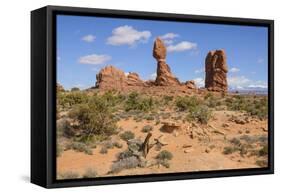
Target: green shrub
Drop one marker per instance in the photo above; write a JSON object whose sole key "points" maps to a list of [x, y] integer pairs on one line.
{"points": [[69, 99], [164, 155], [135, 102], [147, 128], [103, 150], [90, 173], [126, 163], [229, 150], [201, 114], [187, 103], [94, 118], [68, 175], [75, 89], [263, 151], [80, 147], [127, 135]]}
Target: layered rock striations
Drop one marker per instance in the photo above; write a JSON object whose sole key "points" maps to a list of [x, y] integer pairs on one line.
{"points": [[216, 71]]}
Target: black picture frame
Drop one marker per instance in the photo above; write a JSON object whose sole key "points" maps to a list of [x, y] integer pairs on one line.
{"points": [[43, 95]]}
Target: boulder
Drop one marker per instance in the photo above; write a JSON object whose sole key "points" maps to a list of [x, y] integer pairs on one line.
{"points": [[216, 71], [170, 127], [133, 79], [190, 84], [164, 75]]}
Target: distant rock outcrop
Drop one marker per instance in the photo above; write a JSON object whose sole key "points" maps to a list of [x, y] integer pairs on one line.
{"points": [[216, 71], [111, 78], [190, 84], [164, 75], [133, 79]]}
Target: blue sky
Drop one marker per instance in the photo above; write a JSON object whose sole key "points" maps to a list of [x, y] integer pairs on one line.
{"points": [[87, 44]]}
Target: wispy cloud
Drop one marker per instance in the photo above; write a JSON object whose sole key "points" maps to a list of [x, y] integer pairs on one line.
{"points": [[127, 35], [94, 59], [182, 46], [153, 76], [88, 38], [199, 70], [242, 82], [169, 38], [199, 81], [234, 70]]}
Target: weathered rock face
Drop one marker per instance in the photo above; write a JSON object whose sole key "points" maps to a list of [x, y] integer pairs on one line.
{"points": [[111, 78], [216, 71], [190, 84], [133, 79], [164, 75]]}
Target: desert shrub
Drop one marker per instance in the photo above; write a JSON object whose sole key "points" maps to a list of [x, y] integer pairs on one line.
{"points": [[75, 89], [135, 102], [263, 151], [164, 155], [112, 99], [124, 154], [127, 135], [201, 114], [103, 150], [68, 99], [126, 163], [68, 175], [65, 129], [59, 150], [163, 158], [80, 147], [262, 163], [149, 117], [229, 150], [167, 99], [90, 173], [212, 101], [94, 118], [186, 103], [147, 128]]}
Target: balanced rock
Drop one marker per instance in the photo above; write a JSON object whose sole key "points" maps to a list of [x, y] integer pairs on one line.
{"points": [[111, 78], [164, 75], [216, 71]]}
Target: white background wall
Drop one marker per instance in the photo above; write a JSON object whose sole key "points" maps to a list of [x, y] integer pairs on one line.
{"points": [[15, 94]]}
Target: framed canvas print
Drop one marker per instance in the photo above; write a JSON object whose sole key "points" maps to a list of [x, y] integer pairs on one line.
{"points": [[125, 96]]}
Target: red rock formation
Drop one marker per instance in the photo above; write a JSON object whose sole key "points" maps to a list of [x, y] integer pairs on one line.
{"points": [[111, 78], [133, 79], [190, 84], [216, 71], [164, 75]]}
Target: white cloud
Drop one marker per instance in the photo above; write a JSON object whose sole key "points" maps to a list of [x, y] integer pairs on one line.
{"points": [[169, 38], [127, 35], [234, 70], [94, 59], [182, 46], [153, 76], [88, 38], [199, 70], [242, 82], [199, 81], [169, 35]]}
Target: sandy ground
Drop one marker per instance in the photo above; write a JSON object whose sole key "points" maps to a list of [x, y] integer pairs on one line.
{"points": [[201, 153]]}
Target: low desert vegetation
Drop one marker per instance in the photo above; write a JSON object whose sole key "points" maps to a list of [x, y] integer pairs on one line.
{"points": [[68, 175], [127, 135], [125, 163], [90, 173], [163, 158]]}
